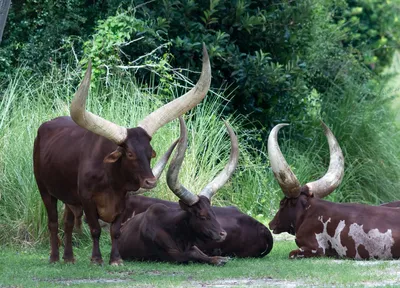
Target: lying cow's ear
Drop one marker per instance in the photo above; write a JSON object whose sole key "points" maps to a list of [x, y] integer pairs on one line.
{"points": [[153, 154], [113, 156]]}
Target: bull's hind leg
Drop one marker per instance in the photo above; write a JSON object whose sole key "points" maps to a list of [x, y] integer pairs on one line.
{"points": [[95, 230], [305, 252], [50, 203], [68, 227]]}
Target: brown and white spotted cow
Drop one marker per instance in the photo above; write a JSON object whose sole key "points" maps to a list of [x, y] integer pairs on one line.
{"points": [[325, 228]]}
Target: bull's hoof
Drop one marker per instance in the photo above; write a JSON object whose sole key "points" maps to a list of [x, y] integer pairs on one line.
{"points": [[220, 261], [295, 254], [96, 261], [54, 259], [69, 260], [117, 262]]}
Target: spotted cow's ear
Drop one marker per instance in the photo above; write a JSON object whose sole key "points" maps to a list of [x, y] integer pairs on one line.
{"points": [[113, 156]]}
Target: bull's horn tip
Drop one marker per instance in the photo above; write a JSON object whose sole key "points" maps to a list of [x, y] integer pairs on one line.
{"points": [[325, 127], [205, 53]]}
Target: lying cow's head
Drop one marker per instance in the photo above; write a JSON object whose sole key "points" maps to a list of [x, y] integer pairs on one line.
{"points": [[296, 199], [201, 217], [203, 221], [134, 151]]}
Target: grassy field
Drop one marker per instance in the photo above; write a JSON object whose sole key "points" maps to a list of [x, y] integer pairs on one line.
{"points": [[27, 267]]}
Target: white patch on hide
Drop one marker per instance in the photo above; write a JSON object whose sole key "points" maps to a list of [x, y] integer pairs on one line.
{"points": [[377, 244], [324, 238]]}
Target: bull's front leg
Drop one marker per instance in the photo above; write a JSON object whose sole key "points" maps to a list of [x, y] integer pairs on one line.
{"points": [[115, 231], [305, 252], [197, 255], [89, 207]]}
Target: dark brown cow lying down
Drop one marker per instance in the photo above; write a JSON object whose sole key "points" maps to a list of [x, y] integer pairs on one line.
{"points": [[90, 163], [162, 233], [246, 237], [324, 228]]}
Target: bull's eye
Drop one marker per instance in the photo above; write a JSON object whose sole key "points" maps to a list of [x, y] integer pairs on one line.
{"points": [[130, 155], [203, 218]]}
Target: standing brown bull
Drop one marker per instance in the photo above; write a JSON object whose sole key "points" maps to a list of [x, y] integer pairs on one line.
{"points": [[88, 162], [170, 234], [324, 228]]}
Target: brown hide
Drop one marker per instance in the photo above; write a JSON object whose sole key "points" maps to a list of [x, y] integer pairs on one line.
{"points": [[391, 204], [246, 237], [69, 166], [353, 231], [169, 234]]}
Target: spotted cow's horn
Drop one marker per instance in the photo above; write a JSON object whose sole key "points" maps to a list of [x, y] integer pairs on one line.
{"points": [[90, 121], [182, 104], [225, 174], [283, 174], [332, 179], [174, 167]]}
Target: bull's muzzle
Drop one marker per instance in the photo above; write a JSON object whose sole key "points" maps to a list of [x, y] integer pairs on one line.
{"points": [[149, 183], [222, 235]]}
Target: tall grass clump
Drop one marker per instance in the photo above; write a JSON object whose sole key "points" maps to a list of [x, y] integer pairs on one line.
{"points": [[29, 101]]}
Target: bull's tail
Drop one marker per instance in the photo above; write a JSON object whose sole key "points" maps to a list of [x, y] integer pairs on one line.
{"points": [[78, 223], [269, 241]]}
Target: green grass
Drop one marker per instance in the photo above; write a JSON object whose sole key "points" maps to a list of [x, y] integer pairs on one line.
{"points": [[26, 267]]}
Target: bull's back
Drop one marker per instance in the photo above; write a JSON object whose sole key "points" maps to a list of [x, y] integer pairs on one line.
{"points": [[358, 231], [246, 237], [56, 158]]}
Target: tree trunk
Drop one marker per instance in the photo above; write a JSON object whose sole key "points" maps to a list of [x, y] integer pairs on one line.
{"points": [[4, 6]]}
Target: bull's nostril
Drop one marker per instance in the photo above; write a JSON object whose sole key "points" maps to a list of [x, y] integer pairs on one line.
{"points": [[149, 182], [222, 234]]}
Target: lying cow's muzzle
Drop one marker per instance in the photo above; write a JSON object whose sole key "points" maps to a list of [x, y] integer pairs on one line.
{"points": [[222, 235]]}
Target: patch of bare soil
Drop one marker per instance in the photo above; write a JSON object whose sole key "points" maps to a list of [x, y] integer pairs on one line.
{"points": [[246, 282], [283, 237], [90, 281]]}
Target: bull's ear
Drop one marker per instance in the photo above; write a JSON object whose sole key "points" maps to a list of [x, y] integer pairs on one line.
{"points": [[113, 156], [153, 153]]}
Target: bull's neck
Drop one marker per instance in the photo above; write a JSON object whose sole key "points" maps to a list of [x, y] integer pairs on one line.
{"points": [[182, 225], [303, 207], [119, 179]]}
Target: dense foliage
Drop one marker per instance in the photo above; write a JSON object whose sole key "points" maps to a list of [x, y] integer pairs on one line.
{"points": [[277, 57]]}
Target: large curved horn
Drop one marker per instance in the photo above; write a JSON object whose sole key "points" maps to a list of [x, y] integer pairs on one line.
{"points": [[181, 105], [158, 168], [173, 170], [92, 122], [332, 179], [225, 174], [283, 174]]}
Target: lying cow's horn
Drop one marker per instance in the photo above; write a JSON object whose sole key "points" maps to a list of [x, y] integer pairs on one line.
{"points": [[158, 168], [181, 105], [282, 172], [90, 121], [173, 170], [225, 174], [332, 179]]}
